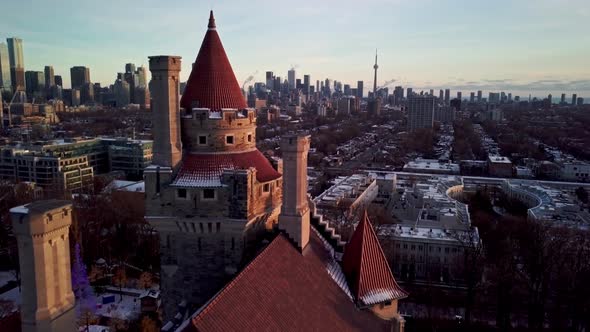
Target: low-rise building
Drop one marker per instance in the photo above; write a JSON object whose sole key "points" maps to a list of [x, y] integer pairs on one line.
{"points": [[431, 166], [499, 166]]}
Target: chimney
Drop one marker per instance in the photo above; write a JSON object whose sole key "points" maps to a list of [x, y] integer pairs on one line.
{"points": [[295, 214], [166, 110]]}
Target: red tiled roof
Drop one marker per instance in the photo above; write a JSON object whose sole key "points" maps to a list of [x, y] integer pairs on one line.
{"points": [[205, 170], [212, 82], [365, 267], [285, 290]]}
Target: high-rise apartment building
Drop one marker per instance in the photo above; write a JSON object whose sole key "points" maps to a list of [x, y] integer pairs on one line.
{"points": [[270, 80], [420, 111], [35, 82], [479, 95], [5, 80], [447, 96], [141, 76], [306, 83], [17, 64], [291, 78], [49, 77], [409, 92], [359, 89], [80, 75], [563, 98], [472, 97], [574, 99], [59, 81]]}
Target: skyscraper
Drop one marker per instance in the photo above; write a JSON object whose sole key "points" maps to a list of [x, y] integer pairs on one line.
{"points": [[459, 95], [563, 98], [447, 96], [441, 95], [409, 93], [49, 77], [59, 81], [5, 80], [359, 89], [420, 111], [35, 82], [291, 78], [142, 76], [269, 80], [574, 99], [129, 67], [306, 83], [80, 75], [550, 99], [17, 65], [472, 97], [479, 96]]}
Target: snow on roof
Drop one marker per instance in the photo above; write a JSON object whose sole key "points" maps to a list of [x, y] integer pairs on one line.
{"points": [[23, 209]]}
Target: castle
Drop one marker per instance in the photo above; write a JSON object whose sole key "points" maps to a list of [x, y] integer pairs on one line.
{"points": [[213, 197], [210, 193]]}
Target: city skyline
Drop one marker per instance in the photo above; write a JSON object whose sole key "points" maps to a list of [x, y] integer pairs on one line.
{"points": [[419, 46]]}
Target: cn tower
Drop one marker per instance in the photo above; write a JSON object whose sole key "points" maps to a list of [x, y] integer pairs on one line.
{"points": [[375, 79]]}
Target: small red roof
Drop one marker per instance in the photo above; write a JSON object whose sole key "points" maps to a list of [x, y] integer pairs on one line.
{"points": [[365, 267], [212, 82], [285, 290], [205, 170]]}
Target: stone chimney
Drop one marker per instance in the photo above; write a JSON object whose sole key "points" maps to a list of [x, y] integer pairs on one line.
{"points": [[165, 106], [295, 214], [41, 230]]}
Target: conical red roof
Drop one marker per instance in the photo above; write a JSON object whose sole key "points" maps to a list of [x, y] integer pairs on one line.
{"points": [[368, 275], [212, 82]]}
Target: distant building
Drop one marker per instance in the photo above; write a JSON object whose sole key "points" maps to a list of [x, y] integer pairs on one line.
{"points": [[420, 111], [306, 83], [500, 166], [80, 75], [447, 96], [122, 93], [49, 77], [562, 99], [472, 97], [580, 101], [35, 82], [5, 79], [17, 64], [291, 78], [431, 166], [445, 114], [59, 81], [359, 89], [479, 95], [574, 99]]}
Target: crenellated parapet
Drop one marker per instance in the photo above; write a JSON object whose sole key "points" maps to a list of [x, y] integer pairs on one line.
{"points": [[225, 130]]}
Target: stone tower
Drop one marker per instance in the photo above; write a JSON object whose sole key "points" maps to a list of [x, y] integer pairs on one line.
{"points": [[213, 202], [166, 110], [294, 217], [41, 229]]}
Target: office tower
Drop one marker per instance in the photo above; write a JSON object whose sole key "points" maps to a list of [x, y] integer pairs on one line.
{"points": [[509, 96], [494, 98], [306, 83], [142, 76], [375, 79], [441, 95], [5, 80], [580, 101], [398, 94], [87, 94], [35, 82], [347, 89], [562, 98], [269, 80], [49, 77], [359, 89], [15, 52], [550, 99], [80, 75], [129, 68], [459, 95], [502, 97], [291, 78], [479, 96], [420, 111], [432, 92], [122, 93], [447, 96], [59, 81], [409, 93], [472, 97], [17, 65], [574, 99]]}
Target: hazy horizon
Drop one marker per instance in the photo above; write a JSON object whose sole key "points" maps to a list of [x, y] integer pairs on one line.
{"points": [[529, 47]]}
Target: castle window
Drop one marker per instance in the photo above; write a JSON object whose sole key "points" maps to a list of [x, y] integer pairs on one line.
{"points": [[202, 140], [266, 187], [208, 194], [218, 227], [229, 139], [181, 193], [209, 227], [249, 137]]}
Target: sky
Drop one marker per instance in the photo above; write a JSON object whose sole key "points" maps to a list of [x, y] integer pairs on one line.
{"points": [[520, 46]]}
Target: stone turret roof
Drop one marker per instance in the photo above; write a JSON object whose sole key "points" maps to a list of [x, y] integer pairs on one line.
{"points": [[365, 267], [212, 83]]}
